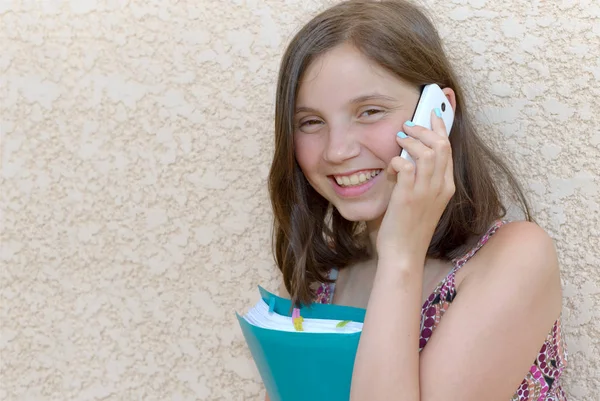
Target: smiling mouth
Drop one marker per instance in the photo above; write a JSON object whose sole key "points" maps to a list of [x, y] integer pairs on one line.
{"points": [[356, 179]]}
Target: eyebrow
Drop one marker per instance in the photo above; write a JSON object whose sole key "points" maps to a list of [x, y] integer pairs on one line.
{"points": [[356, 100], [372, 96]]}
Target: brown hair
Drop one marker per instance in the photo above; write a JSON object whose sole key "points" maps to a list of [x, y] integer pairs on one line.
{"points": [[310, 236]]}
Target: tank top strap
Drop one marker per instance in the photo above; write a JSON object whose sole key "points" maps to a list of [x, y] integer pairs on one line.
{"points": [[333, 275], [460, 261]]}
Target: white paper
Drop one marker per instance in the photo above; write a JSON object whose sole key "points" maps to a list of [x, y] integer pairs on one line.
{"points": [[259, 316]]}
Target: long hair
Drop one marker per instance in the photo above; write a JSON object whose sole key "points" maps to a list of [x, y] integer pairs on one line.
{"points": [[310, 236]]}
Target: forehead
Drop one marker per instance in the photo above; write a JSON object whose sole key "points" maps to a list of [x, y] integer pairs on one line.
{"points": [[344, 73]]}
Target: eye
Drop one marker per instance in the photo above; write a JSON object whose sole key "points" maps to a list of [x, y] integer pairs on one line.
{"points": [[310, 122], [311, 125], [370, 112]]}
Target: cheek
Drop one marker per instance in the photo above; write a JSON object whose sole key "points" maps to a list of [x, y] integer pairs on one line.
{"points": [[380, 139], [307, 152]]}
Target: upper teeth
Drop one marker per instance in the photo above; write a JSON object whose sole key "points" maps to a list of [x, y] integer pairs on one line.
{"points": [[356, 179]]}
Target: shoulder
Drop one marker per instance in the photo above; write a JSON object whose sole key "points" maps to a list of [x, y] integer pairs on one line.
{"points": [[519, 254], [521, 244]]}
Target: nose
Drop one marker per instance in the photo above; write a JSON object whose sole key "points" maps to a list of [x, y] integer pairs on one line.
{"points": [[341, 145]]}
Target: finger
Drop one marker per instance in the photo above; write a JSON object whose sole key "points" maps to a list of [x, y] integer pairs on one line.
{"points": [[428, 136], [405, 173], [443, 177], [424, 158], [414, 147], [437, 123], [443, 151]]}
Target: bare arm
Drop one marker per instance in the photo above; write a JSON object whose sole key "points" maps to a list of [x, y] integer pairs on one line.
{"points": [[487, 340]]}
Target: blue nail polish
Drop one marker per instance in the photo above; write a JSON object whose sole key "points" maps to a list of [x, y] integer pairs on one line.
{"points": [[438, 112], [402, 135], [409, 123]]}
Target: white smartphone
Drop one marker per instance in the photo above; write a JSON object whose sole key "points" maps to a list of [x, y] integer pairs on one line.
{"points": [[432, 96]]}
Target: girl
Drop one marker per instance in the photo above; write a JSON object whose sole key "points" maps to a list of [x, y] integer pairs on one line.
{"points": [[461, 305]]}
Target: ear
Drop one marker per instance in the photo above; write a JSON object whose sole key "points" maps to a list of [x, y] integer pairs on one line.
{"points": [[449, 92]]}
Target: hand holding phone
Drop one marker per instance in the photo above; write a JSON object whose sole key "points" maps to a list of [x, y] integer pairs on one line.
{"points": [[418, 200]]}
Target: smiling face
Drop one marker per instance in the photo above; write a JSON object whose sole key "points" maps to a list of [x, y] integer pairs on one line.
{"points": [[348, 112]]}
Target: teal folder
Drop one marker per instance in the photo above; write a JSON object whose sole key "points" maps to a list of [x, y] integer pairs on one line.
{"points": [[303, 366]]}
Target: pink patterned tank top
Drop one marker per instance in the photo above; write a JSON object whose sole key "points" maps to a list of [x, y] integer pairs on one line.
{"points": [[542, 382]]}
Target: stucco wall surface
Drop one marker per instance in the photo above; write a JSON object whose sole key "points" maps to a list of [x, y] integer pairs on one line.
{"points": [[136, 140]]}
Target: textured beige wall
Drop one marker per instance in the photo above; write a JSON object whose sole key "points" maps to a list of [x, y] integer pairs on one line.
{"points": [[136, 137]]}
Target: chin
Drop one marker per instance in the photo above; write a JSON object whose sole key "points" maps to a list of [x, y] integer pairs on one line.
{"points": [[357, 213]]}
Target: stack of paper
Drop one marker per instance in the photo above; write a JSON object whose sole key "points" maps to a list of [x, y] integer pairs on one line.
{"points": [[260, 316]]}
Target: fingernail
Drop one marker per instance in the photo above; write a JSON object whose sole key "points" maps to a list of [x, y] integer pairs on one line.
{"points": [[409, 123], [402, 135], [438, 112]]}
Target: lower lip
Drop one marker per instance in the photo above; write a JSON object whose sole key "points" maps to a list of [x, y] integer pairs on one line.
{"points": [[355, 190]]}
